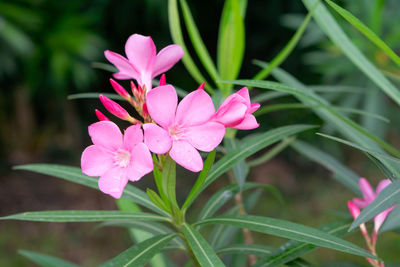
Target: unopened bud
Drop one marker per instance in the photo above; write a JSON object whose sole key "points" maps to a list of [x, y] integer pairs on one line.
{"points": [[114, 108], [100, 115], [145, 110], [163, 80], [201, 86], [119, 89]]}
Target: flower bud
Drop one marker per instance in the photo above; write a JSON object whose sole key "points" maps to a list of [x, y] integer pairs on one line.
{"points": [[201, 86], [100, 115], [114, 108], [119, 89], [163, 80]]}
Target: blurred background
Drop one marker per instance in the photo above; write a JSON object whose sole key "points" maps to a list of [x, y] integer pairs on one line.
{"points": [[50, 49]]}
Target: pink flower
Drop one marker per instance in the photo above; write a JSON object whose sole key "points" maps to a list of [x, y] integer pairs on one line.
{"points": [[116, 158], [184, 127], [369, 196], [355, 211], [142, 63], [236, 111]]}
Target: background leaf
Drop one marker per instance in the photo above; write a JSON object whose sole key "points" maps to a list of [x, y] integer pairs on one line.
{"points": [[45, 260]]}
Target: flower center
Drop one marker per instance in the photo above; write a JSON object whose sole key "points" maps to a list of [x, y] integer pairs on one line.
{"points": [[122, 158], [176, 132]]}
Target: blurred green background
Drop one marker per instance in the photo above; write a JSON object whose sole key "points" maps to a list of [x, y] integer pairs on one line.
{"points": [[47, 51]]}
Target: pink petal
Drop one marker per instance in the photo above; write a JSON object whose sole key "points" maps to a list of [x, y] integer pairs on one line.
{"points": [[354, 210], [254, 107], [382, 184], [127, 70], [156, 138], [196, 108], [187, 156], [361, 203], [248, 123], [95, 161], [106, 134], [133, 135], [380, 218], [141, 162], [366, 189], [161, 104], [205, 137], [113, 182], [166, 58], [232, 112], [244, 92], [141, 52]]}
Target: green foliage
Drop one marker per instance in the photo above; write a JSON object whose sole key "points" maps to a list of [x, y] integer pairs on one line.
{"points": [[45, 260]]}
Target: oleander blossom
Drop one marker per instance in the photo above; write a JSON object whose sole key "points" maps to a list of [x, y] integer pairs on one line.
{"points": [[236, 111], [369, 195], [182, 129], [142, 62], [116, 158]]}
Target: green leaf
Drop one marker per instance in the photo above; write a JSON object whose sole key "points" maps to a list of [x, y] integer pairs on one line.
{"points": [[140, 254], [299, 263], [392, 221], [343, 174], [251, 146], [45, 260], [388, 197], [231, 42], [258, 250], [285, 52], [157, 200], [331, 28], [83, 216], [158, 180], [200, 180], [289, 230], [203, 252], [169, 180], [240, 169], [367, 32], [291, 250], [197, 41], [177, 37], [94, 95], [75, 175]]}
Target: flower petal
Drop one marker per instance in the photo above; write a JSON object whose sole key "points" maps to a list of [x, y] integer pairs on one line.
{"points": [[205, 137], [254, 107], [161, 104], [361, 203], [95, 161], [113, 182], [166, 58], [382, 184], [141, 52], [196, 108], [380, 218], [366, 189], [133, 135], [141, 162], [156, 138], [231, 112], [248, 123], [244, 92], [127, 70], [106, 134], [187, 156]]}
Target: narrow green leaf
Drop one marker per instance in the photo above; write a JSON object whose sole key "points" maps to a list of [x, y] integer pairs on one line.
{"points": [[93, 95], [177, 37], [158, 180], [343, 174], [299, 263], [285, 52], [200, 180], [392, 221], [240, 169], [367, 32], [289, 230], [197, 41], [231, 42], [75, 175], [157, 200], [258, 250], [291, 250], [45, 260], [328, 24], [203, 252], [388, 197], [251, 146], [169, 180], [140, 254], [83, 216]]}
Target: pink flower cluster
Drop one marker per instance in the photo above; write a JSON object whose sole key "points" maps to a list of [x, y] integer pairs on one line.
{"points": [[180, 130]]}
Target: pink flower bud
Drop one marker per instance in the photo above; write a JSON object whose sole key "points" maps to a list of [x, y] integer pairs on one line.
{"points": [[119, 89], [201, 86], [145, 110], [134, 89], [100, 115], [354, 210], [114, 108], [163, 80]]}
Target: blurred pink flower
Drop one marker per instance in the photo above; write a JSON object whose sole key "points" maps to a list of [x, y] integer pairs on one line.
{"points": [[236, 111], [369, 195], [143, 64], [184, 127], [116, 158]]}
